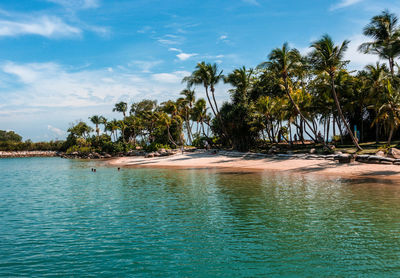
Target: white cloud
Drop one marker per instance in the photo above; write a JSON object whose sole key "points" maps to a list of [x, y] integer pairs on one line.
{"points": [[345, 3], [182, 56], [171, 39], [174, 77], [47, 26], [175, 49], [224, 38], [55, 130], [50, 85], [185, 56]]}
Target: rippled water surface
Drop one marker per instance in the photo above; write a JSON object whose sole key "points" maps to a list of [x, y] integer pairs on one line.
{"points": [[59, 218]]}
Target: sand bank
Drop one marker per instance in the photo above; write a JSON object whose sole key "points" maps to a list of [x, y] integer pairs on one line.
{"points": [[247, 163]]}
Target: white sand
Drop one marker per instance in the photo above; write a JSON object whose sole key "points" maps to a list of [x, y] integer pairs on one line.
{"points": [[294, 165]]}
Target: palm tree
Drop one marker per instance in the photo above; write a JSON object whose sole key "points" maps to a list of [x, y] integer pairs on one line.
{"points": [[187, 106], [209, 76], [389, 112], [283, 62], [113, 126], [328, 57], [385, 32], [97, 120], [121, 107], [241, 80]]}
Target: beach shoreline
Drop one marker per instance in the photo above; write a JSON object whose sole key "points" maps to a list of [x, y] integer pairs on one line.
{"points": [[285, 164]]}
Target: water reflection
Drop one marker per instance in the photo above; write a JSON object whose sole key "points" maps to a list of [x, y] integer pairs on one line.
{"points": [[59, 217]]}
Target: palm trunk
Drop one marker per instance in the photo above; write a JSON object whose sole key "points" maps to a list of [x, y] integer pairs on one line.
{"points": [[327, 128], [339, 109], [390, 135], [297, 108]]}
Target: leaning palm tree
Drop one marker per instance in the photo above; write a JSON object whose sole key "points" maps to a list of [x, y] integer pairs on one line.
{"points": [[385, 32], [283, 62], [328, 58]]}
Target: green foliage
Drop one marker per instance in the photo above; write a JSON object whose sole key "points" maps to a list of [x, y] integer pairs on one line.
{"points": [[153, 147], [80, 150], [9, 136], [30, 146], [199, 141]]}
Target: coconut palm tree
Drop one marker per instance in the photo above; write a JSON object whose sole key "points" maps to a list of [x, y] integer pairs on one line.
{"points": [[187, 106], [389, 112], [240, 79], [209, 76], [283, 62], [121, 107], [328, 58], [113, 126], [385, 32], [97, 120]]}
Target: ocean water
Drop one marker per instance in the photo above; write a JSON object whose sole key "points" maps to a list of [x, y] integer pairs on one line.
{"points": [[57, 218]]}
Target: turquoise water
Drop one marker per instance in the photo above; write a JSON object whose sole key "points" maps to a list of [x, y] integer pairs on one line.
{"points": [[57, 218]]}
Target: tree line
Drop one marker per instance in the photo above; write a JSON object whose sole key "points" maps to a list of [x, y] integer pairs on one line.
{"points": [[290, 97]]}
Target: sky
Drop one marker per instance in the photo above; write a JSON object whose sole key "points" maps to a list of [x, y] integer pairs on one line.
{"points": [[65, 60]]}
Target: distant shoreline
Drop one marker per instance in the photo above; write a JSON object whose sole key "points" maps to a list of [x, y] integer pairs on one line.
{"points": [[17, 154], [310, 164]]}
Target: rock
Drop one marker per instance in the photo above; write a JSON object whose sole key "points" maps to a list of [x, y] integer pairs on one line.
{"points": [[345, 158], [156, 154], [362, 158], [96, 155], [394, 153], [149, 155], [313, 151], [107, 155], [380, 153]]}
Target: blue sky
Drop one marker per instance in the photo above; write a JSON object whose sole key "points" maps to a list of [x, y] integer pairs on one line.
{"points": [[65, 60]]}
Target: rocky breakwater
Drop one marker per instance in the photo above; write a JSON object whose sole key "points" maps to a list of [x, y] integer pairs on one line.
{"points": [[8, 154], [392, 157], [95, 155]]}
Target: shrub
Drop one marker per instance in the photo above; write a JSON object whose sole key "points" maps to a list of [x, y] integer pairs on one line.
{"points": [[153, 147]]}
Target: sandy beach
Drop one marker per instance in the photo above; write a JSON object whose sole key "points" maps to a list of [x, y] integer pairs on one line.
{"points": [[283, 164]]}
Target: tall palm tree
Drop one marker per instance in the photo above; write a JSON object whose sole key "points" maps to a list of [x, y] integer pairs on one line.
{"points": [[103, 121], [283, 62], [389, 112], [121, 107], [97, 120], [187, 106], [328, 57], [241, 80], [209, 76], [385, 32], [113, 126]]}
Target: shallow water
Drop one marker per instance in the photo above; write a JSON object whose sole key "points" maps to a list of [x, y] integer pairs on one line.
{"points": [[59, 218]]}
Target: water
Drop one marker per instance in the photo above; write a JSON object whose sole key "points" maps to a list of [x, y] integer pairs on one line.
{"points": [[57, 218]]}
